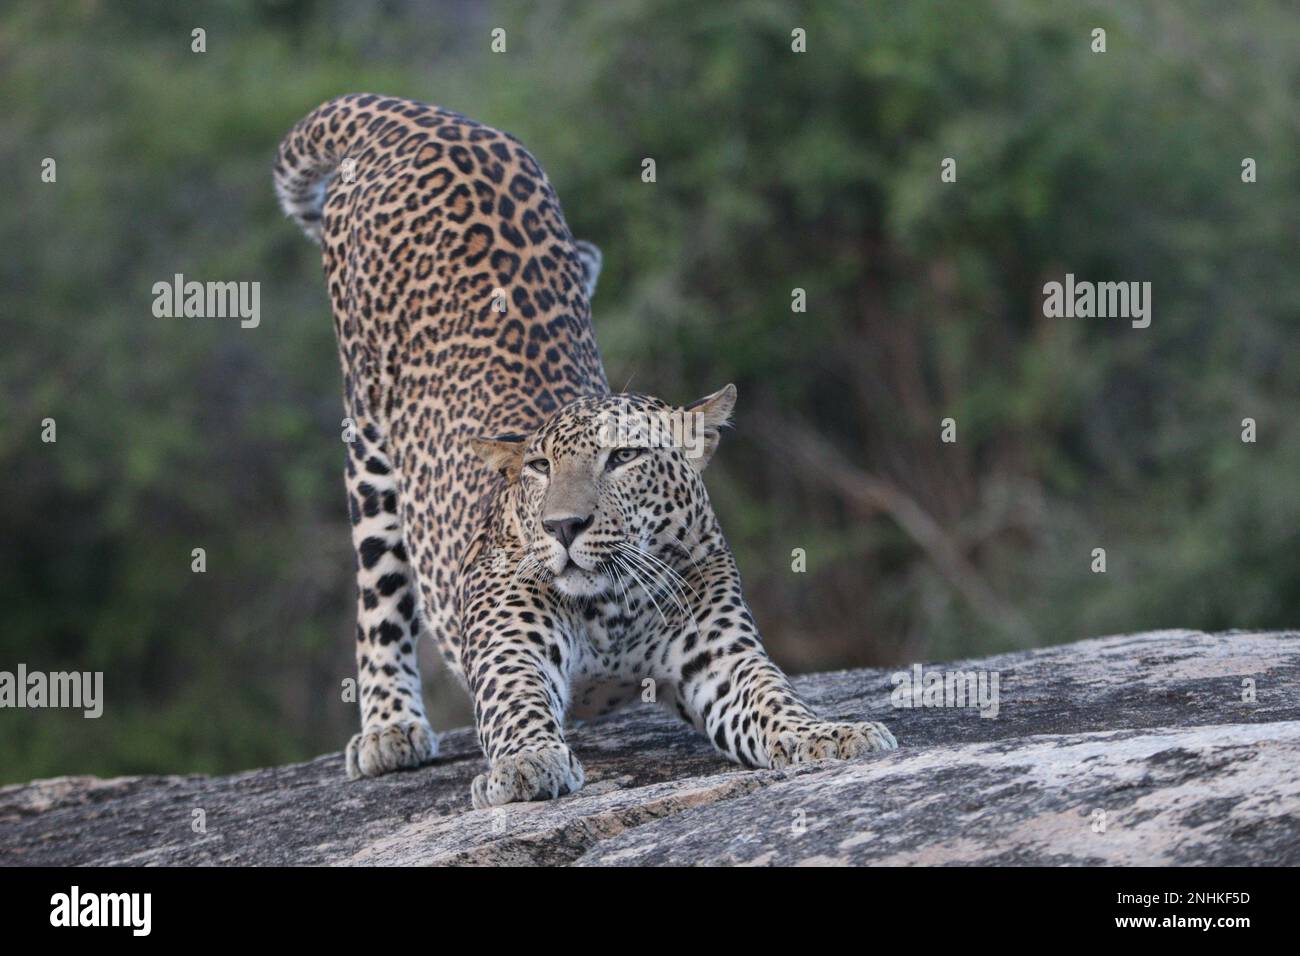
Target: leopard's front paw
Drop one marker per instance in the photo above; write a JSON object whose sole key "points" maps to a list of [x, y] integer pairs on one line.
{"points": [[380, 750], [829, 741], [528, 775]]}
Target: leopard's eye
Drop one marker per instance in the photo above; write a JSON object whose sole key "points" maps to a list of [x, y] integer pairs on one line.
{"points": [[540, 465], [621, 456]]}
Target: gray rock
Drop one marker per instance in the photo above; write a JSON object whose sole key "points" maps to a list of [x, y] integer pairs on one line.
{"points": [[1139, 749]]}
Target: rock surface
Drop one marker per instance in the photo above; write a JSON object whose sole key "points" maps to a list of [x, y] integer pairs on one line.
{"points": [[1139, 749]]}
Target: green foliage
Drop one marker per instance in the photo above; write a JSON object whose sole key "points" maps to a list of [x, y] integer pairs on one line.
{"points": [[775, 170]]}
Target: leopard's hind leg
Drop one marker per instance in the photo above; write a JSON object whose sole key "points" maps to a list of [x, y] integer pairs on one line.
{"points": [[395, 732]]}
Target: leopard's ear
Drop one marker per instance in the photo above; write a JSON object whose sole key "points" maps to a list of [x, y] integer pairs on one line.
{"points": [[714, 413], [589, 258], [502, 453]]}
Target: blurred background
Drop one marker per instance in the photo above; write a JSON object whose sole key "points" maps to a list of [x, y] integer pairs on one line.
{"points": [[775, 171]]}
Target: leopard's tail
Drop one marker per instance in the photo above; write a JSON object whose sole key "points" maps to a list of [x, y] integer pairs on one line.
{"points": [[314, 152]]}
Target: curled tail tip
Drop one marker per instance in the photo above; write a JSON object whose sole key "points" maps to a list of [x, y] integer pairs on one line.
{"points": [[304, 170], [301, 194], [590, 259], [306, 216]]}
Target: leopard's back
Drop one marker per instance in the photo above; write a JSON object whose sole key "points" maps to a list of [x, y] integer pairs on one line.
{"points": [[460, 299]]}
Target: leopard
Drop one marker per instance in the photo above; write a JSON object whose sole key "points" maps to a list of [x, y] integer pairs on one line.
{"points": [[554, 538]]}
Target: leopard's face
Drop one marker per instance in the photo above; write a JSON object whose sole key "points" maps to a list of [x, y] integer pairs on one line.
{"points": [[609, 489]]}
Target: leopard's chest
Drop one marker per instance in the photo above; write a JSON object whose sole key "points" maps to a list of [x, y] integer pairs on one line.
{"points": [[603, 636], [607, 643], [612, 663]]}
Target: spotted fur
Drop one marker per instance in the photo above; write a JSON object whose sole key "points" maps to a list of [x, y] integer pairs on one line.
{"points": [[562, 567]]}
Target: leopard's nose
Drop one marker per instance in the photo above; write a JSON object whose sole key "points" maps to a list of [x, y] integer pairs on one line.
{"points": [[565, 530]]}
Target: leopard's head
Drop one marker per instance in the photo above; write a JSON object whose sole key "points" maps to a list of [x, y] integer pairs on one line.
{"points": [[609, 488]]}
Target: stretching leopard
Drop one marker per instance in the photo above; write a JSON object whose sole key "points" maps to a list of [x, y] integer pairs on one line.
{"points": [[557, 544]]}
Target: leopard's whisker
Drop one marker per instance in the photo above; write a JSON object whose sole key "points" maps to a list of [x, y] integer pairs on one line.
{"points": [[658, 578], [667, 568], [618, 579], [515, 578], [687, 611], [638, 557], [627, 566]]}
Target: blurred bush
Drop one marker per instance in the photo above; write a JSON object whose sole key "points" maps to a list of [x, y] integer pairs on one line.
{"points": [[775, 171]]}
